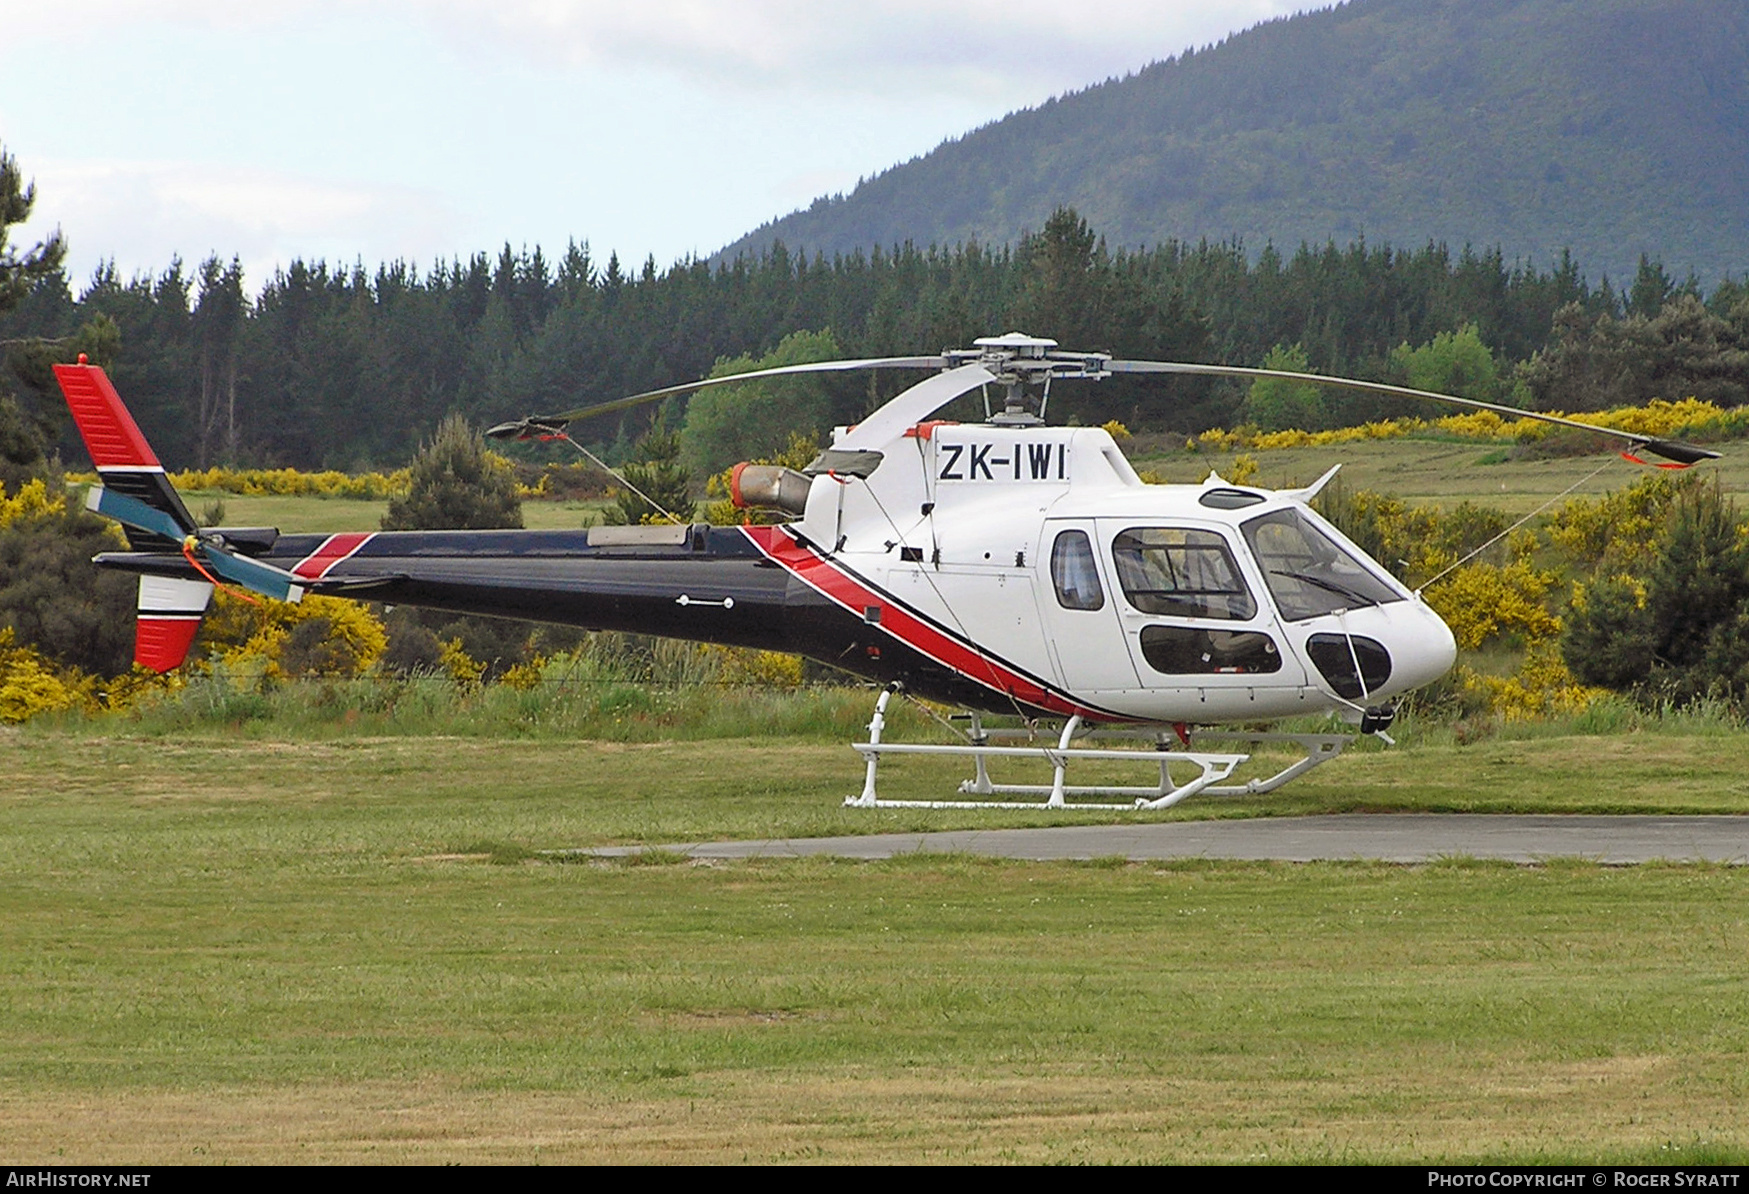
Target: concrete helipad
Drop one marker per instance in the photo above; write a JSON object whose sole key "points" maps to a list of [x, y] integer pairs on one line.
{"points": [[1388, 837]]}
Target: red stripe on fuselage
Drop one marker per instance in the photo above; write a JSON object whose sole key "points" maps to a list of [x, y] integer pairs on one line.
{"points": [[334, 550], [845, 589]]}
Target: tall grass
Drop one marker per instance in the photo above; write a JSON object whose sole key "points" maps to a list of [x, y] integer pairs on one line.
{"points": [[676, 695], [613, 689]]}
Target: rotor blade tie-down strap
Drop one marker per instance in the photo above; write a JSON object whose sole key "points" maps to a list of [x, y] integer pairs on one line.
{"points": [[616, 475], [1426, 584]]}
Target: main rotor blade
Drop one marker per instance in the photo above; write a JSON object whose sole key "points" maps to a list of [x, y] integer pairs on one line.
{"points": [[1670, 449], [538, 425]]}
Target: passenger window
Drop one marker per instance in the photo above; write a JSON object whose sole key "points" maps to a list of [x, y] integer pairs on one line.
{"points": [[1193, 650], [1164, 570], [1073, 572]]}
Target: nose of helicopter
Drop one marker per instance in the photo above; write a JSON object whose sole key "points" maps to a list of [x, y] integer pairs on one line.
{"points": [[1398, 646], [1422, 647]]}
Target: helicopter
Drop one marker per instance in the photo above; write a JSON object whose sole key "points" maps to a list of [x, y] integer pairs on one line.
{"points": [[1005, 567]]}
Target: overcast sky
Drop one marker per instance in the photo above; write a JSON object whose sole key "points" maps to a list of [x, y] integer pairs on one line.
{"points": [[419, 129]]}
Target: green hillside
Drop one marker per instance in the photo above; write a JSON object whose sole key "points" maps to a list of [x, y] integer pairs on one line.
{"points": [[1608, 127]]}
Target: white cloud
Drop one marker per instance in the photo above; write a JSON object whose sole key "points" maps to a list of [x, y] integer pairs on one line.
{"points": [[993, 47], [164, 209], [1013, 51], [411, 128]]}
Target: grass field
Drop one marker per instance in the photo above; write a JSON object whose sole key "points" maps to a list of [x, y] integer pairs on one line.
{"points": [[242, 946], [1440, 472]]}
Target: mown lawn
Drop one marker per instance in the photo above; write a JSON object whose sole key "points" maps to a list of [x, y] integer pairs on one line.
{"points": [[235, 947]]}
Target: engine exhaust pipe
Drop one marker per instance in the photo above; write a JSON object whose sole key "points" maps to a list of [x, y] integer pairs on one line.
{"points": [[770, 487]]}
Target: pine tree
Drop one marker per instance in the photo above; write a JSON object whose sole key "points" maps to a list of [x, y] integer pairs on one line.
{"points": [[21, 442], [655, 469], [457, 485], [218, 325], [18, 273], [1678, 631], [51, 596]]}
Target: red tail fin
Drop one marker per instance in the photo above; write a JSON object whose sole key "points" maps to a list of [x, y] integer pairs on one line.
{"points": [[111, 435], [170, 608], [123, 458]]}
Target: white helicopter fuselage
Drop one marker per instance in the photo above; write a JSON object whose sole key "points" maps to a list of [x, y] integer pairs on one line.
{"points": [[1199, 604]]}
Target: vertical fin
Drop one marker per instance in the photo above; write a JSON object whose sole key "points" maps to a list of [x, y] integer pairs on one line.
{"points": [[123, 458]]}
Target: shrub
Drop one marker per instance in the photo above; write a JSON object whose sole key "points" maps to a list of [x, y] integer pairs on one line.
{"points": [[318, 636], [31, 684], [1673, 622], [1484, 601], [455, 483], [51, 595]]}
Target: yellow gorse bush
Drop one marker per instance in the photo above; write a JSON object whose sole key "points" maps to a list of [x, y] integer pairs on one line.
{"points": [[1592, 528], [1541, 687], [30, 684], [32, 500], [288, 482], [761, 669], [1482, 601], [464, 671], [253, 638]]}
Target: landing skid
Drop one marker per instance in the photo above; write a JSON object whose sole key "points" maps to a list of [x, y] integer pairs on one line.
{"points": [[1212, 768]]}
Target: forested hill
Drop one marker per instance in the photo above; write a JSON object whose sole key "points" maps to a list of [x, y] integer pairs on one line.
{"points": [[1610, 127]]}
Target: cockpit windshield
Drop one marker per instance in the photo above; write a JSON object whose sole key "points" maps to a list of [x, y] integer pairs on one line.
{"points": [[1308, 572]]}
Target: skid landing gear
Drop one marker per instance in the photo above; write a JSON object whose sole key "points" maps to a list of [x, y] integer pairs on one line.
{"points": [[1211, 768]]}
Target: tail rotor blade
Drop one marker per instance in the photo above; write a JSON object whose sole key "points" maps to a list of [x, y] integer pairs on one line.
{"points": [[261, 578], [240, 570], [133, 512]]}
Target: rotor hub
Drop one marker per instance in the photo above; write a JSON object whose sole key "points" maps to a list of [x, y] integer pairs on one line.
{"points": [[1018, 361]]}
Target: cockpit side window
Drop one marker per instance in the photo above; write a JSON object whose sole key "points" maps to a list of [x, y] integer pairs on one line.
{"points": [[1074, 574], [1171, 570], [1307, 571]]}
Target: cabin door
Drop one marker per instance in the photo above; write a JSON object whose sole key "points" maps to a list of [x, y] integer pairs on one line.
{"points": [[1080, 616]]}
